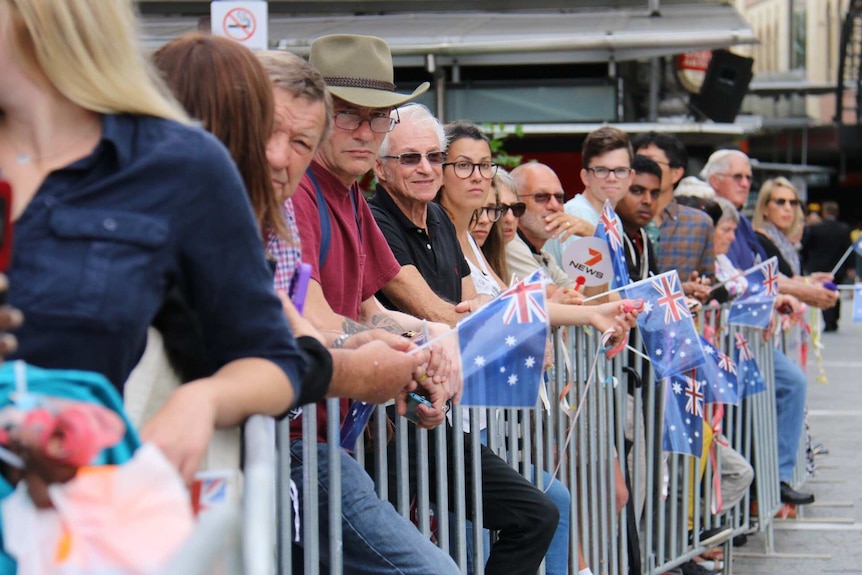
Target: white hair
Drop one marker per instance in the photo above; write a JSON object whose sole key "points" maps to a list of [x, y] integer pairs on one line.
{"points": [[695, 187], [415, 114], [719, 162]]}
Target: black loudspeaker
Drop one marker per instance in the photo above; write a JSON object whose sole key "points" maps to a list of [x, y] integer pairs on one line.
{"points": [[724, 86]]}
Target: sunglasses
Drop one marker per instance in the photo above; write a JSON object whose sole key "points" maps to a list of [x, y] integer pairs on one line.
{"points": [[780, 202], [517, 208], [413, 158], [544, 197]]}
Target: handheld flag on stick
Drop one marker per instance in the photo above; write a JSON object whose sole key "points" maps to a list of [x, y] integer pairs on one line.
{"points": [[683, 415], [753, 307], [668, 331], [750, 379], [855, 247], [502, 347], [719, 373], [609, 229], [857, 303]]}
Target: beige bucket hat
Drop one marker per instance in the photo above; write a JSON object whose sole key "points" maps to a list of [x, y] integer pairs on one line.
{"points": [[358, 69]]}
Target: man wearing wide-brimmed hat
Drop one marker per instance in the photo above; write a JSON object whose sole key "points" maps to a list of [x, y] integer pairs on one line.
{"points": [[351, 261]]}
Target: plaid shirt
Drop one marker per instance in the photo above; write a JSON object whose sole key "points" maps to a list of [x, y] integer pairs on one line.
{"points": [[287, 255], [685, 242]]}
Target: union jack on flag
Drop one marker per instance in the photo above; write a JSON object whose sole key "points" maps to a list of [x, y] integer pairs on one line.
{"points": [[753, 307], [719, 375], [742, 346], [725, 363], [683, 416], [671, 298], [751, 380], [609, 230], [525, 302], [770, 277]]}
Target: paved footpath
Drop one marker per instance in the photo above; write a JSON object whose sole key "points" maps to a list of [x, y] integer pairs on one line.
{"points": [[827, 538]]}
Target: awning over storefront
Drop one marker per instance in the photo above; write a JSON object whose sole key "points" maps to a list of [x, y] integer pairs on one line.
{"points": [[493, 38]]}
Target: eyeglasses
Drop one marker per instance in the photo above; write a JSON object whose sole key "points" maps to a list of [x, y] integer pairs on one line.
{"points": [[464, 169], [544, 197], [602, 172], [413, 158], [379, 123], [493, 213], [739, 177], [780, 202], [517, 208]]}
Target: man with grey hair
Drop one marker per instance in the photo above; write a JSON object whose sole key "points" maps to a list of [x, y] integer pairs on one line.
{"points": [[409, 170], [729, 174]]}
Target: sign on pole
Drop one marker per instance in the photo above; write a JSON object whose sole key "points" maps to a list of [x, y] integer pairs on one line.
{"points": [[586, 261], [244, 21]]}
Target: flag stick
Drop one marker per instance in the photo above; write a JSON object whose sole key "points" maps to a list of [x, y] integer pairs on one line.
{"points": [[604, 293], [842, 260]]}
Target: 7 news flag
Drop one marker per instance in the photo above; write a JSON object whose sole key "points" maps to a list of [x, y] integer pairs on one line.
{"points": [[502, 347]]}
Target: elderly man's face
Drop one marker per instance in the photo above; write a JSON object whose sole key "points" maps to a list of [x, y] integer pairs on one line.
{"points": [[734, 183], [350, 153], [542, 193], [299, 126], [403, 179]]}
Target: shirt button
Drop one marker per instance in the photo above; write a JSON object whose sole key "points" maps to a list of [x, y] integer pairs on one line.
{"points": [[428, 246], [110, 224]]}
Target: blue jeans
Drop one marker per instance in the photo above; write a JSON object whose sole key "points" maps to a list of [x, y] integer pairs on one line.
{"points": [[557, 557], [376, 539], [791, 389]]}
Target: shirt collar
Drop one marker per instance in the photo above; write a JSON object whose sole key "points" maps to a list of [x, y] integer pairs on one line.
{"points": [[529, 245]]}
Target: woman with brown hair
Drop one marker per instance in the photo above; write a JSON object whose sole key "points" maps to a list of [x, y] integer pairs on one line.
{"points": [[118, 200]]}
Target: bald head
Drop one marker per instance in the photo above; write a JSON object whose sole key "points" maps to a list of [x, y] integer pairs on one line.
{"points": [[541, 191]]}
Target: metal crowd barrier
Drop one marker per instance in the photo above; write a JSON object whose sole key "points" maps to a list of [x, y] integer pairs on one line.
{"points": [[670, 495]]}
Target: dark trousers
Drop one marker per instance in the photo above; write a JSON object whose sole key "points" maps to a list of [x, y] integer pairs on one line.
{"points": [[524, 517], [831, 316]]}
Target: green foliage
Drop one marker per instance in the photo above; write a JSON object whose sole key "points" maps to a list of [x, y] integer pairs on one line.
{"points": [[497, 134]]}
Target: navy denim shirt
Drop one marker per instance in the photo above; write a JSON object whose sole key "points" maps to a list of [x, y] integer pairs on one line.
{"points": [[157, 204]]}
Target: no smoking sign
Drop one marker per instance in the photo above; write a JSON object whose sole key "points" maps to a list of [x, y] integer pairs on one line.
{"points": [[245, 22]]}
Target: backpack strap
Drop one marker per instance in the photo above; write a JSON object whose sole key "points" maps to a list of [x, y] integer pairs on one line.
{"points": [[323, 214]]}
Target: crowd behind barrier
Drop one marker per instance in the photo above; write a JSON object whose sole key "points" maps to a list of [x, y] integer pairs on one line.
{"points": [[672, 495]]}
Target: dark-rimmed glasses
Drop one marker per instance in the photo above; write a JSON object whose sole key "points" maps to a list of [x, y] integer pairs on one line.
{"points": [[413, 158], [379, 123], [781, 202], [464, 169], [493, 213], [602, 173], [545, 197]]}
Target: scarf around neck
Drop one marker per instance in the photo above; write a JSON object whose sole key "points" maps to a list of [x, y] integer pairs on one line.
{"points": [[782, 242]]}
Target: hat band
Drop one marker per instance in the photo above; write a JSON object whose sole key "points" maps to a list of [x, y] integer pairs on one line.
{"points": [[347, 82]]}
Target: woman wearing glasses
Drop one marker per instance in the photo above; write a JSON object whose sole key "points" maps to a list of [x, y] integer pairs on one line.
{"points": [[777, 213]]}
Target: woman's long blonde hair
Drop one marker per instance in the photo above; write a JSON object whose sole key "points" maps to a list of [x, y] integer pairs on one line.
{"points": [[87, 50], [765, 195]]}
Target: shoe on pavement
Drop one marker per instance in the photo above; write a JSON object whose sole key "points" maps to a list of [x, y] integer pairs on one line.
{"points": [[790, 495]]}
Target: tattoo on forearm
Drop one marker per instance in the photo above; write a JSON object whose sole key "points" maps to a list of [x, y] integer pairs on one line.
{"points": [[383, 321], [349, 326]]}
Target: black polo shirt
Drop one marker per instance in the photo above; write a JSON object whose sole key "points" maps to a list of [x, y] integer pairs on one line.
{"points": [[435, 253]]}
